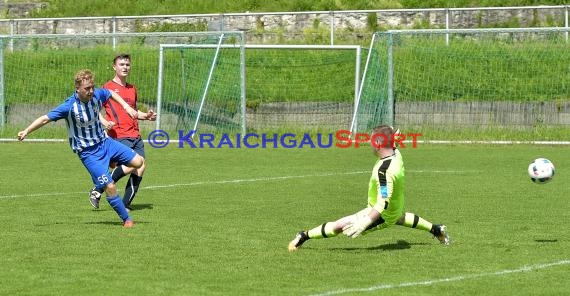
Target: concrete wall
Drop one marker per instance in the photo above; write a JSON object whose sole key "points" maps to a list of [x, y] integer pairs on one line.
{"points": [[335, 116], [347, 22]]}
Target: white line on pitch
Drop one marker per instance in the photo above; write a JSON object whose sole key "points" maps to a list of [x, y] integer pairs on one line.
{"points": [[288, 177], [446, 280], [252, 180], [442, 171], [493, 142], [199, 183]]}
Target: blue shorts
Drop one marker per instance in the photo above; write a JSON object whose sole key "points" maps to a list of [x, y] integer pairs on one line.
{"points": [[136, 144], [96, 160]]}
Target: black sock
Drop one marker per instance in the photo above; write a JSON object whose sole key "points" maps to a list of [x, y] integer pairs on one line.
{"points": [[435, 230], [131, 189], [118, 173]]}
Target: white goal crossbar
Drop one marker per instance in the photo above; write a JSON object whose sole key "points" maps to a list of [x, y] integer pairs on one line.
{"points": [[357, 67]]}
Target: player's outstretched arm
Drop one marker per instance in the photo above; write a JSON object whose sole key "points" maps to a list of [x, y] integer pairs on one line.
{"points": [[36, 124], [132, 112]]}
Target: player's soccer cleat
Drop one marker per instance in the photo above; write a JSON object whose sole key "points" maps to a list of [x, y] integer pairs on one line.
{"points": [[440, 232], [298, 241], [128, 224], [94, 197]]}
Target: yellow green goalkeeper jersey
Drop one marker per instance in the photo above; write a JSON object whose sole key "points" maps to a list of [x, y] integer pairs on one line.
{"points": [[387, 182]]}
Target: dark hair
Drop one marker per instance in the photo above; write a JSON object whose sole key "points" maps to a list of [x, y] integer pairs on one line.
{"points": [[122, 56]]}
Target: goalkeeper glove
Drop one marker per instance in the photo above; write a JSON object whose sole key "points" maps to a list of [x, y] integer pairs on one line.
{"points": [[354, 229]]}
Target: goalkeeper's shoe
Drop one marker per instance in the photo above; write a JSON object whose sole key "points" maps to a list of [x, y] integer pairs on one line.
{"points": [[94, 197], [298, 241], [440, 232]]}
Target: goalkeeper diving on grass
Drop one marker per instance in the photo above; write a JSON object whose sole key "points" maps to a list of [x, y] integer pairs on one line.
{"points": [[385, 199]]}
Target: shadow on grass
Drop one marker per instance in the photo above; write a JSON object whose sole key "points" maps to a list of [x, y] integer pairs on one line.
{"points": [[89, 223], [138, 207], [112, 223], [546, 240], [52, 224], [134, 207], [399, 245]]}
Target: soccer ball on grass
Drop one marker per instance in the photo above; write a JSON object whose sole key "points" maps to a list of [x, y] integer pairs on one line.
{"points": [[541, 170]]}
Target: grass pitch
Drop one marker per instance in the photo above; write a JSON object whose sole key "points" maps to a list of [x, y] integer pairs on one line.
{"points": [[218, 221]]}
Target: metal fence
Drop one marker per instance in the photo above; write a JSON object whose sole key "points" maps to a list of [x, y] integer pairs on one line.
{"points": [[200, 81], [330, 25]]}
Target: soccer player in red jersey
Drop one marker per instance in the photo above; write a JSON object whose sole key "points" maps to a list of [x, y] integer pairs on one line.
{"points": [[124, 129]]}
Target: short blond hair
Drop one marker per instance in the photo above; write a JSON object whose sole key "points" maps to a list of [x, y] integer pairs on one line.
{"points": [[83, 75], [386, 132]]}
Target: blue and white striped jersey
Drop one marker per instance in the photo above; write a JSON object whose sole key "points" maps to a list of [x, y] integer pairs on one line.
{"points": [[83, 125]]}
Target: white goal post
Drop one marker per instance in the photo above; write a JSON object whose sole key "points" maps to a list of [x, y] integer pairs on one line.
{"points": [[225, 82]]}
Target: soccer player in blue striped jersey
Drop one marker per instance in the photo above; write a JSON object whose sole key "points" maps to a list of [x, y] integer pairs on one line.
{"points": [[385, 199], [88, 139]]}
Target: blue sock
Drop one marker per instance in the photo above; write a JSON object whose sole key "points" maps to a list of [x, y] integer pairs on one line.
{"points": [[119, 207]]}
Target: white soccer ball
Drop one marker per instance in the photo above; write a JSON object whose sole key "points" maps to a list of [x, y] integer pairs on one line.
{"points": [[541, 170]]}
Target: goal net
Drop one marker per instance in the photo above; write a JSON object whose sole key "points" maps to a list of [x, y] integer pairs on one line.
{"points": [[36, 72], [290, 88], [469, 81], [201, 86], [302, 88]]}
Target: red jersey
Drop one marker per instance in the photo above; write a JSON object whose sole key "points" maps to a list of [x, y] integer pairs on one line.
{"points": [[125, 126]]}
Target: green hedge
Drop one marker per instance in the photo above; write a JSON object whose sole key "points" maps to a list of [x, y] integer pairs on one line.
{"points": [[499, 72]]}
